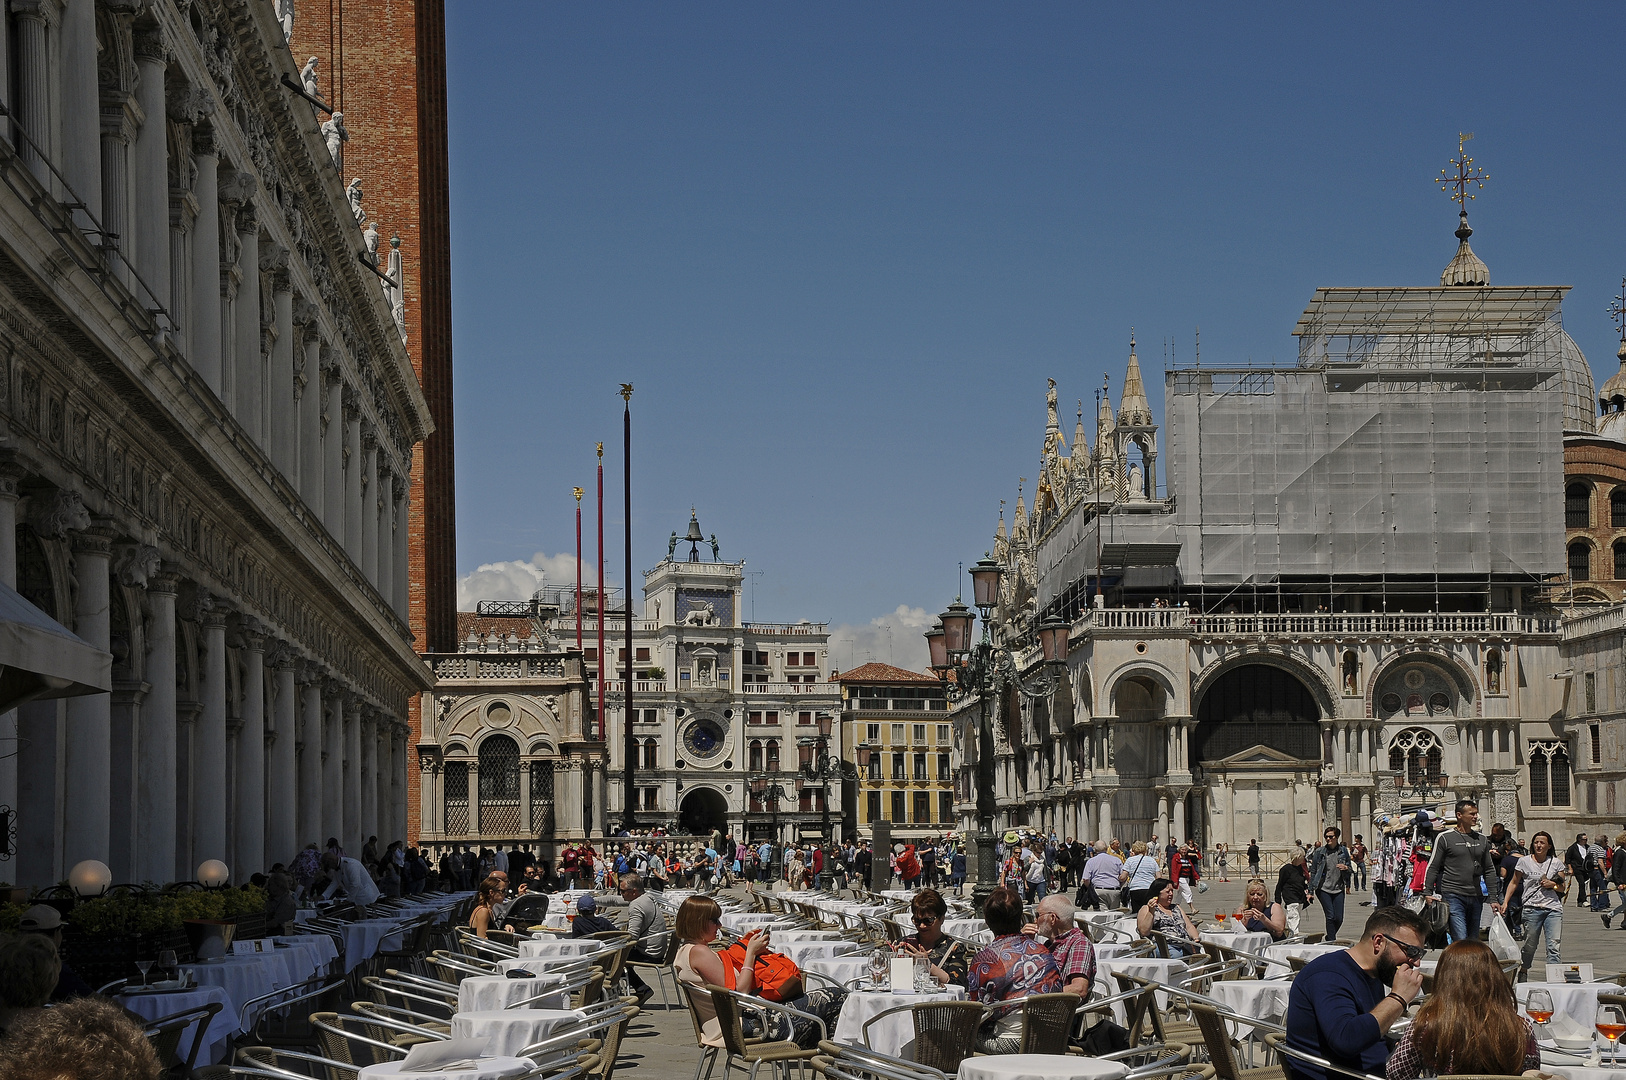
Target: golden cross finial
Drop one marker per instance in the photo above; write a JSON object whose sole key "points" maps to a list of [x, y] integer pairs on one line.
{"points": [[1466, 174], [579, 493], [601, 451], [1617, 309]]}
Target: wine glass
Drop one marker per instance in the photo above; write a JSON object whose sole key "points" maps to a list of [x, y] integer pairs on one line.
{"points": [[1611, 1024], [1539, 1005], [167, 961], [143, 966], [880, 966], [1219, 918]]}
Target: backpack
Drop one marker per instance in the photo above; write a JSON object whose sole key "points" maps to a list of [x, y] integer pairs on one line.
{"points": [[777, 976]]}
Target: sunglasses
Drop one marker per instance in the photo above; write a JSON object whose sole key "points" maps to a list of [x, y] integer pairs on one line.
{"points": [[925, 920], [1413, 952]]}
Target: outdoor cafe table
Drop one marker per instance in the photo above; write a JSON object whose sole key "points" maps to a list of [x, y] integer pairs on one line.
{"points": [[1241, 940], [484, 993], [1573, 1065], [806, 935], [964, 928], [1284, 953], [1155, 968], [157, 1004], [366, 938], [1040, 1067], [552, 946], [842, 969], [802, 951], [538, 964], [744, 921], [510, 1030], [896, 1034], [1578, 1001], [1263, 999], [320, 947], [243, 977], [491, 1068]]}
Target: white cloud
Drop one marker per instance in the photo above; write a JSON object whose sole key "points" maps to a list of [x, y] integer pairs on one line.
{"points": [[519, 579], [894, 638]]}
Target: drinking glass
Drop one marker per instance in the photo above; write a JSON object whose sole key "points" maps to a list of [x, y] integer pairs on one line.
{"points": [[880, 966], [167, 961], [923, 975], [143, 966], [1540, 1006], [1611, 1024], [1219, 917]]}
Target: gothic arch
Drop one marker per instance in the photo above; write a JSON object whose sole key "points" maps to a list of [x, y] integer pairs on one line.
{"points": [[1467, 683], [529, 719], [1314, 679], [1147, 669]]}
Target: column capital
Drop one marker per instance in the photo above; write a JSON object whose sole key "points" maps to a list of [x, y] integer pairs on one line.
{"points": [[96, 540], [247, 632], [166, 581], [352, 403], [274, 262], [53, 513], [205, 143], [148, 41], [282, 656], [46, 11], [190, 105]]}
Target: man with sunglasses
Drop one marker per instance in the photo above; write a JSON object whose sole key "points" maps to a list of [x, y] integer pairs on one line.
{"points": [[1343, 1002]]}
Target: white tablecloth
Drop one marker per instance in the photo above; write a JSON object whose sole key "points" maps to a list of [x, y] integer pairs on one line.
{"points": [[485, 993], [366, 938], [540, 964], [556, 919], [1243, 941], [1040, 1067], [802, 951], [243, 977], [740, 922], [1571, 1067], [158, 1005], [1265, 1000], [806, 935], [492, 1068], [1158, 969], [894, 1035], [843, 969], [560, 946], [1578, 1001], [510, 1030], [1308, 952], [320, 946], [963, 928]]}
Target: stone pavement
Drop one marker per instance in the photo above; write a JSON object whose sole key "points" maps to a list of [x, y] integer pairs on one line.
{"points": [[660, 1044]]}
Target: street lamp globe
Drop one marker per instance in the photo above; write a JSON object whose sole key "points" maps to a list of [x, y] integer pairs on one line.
{"points": [[1053, 639], [90, 878], [826, 722], [985, 582], [213, 874], [957, 628], [934, 642]]}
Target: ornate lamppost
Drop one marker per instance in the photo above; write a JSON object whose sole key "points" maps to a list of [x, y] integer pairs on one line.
{"points": [[985, 669], [765, 789], [824, 768]]}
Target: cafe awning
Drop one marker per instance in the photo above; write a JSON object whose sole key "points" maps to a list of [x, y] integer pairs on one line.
{"points": [[41, 658]]}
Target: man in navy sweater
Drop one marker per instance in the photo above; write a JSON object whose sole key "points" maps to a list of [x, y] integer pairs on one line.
{"points": [[1342, 1003]]}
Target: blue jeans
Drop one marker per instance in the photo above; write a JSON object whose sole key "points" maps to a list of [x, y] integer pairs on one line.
{"points": [[1036, 891], [1542, 920], [1465, 910], [1332, 906]]}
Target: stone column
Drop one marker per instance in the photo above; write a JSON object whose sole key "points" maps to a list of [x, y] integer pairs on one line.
{"points": [[333, 450], [284, 796], [280, 393], [525, 797], [81, 105], [360, 488], [351, 837], [1163, 817], [118, 135], [600, 797], [312, 792], [183, 213], [384, 516], [250, 815], [150, 188], [34, 83], [209, 745], [87, 820], [367, 825], [155, 788], [401, 521], [203, 335], [429, 799], [474, 826], [354, 468], [310, 393], [333, 763], [569, 800], [8, 574], [246, 388]]}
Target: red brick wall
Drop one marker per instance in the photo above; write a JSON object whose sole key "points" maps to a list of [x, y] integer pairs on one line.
{"points": [[383, 64], [1602, 464]]}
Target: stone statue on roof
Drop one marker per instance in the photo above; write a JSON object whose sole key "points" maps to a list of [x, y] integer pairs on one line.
{"points": [[353, 193], [335, 135], [307, 75], [714, 548], [671, 545], [285, 16]]}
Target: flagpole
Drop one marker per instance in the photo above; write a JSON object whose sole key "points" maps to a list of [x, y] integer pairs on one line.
{"points": [[601, 609], [629, 746], [579, 493]]}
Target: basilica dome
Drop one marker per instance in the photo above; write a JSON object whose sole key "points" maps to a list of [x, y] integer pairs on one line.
{"points": [[1580, 406]]}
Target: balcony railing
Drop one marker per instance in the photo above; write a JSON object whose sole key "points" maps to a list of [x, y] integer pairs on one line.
{"points": [[1594, 622], [530, 667], [1326, 624], [639, 686], [793, 629], [786, 689]]}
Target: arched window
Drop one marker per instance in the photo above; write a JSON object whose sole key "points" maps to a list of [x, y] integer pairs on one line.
{"points": [[1416, 754], [1549, 774], [1578, 506], [756, 755], [1580, 561], [1620, 560], [1493, 671], [1617, 508], [773, 756], [499, 786], [456, 786]]}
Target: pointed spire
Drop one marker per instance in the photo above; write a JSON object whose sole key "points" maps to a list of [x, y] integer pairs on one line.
{"points": [[1467, 268], [1134, 410], [1081, 445], [1105, 425], [999, 533]]}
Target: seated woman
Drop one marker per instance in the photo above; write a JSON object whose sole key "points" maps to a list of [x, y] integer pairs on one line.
{"points": [[484, 915], [1012, 967], [1259, 915], [1160, 913], [1470, 1024], [947, 956], [698, 923]]}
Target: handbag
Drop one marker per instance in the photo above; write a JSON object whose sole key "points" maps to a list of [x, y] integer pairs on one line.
{"points": [[1437, 914], [777, 976]]}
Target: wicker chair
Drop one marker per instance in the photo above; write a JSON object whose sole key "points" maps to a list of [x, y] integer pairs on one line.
{"points": [[779, 1054], [346, 1039], [1286, 1055], [1047, 1022], [1144, 1011], [945, 1031], [275, 1061], [165, 1034], [1222, 1052]]}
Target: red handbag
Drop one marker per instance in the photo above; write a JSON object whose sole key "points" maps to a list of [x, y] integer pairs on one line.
{"points": [[777, 976]]}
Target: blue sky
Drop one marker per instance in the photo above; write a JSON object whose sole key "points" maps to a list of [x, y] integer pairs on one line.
{"points": [[838, 248]]}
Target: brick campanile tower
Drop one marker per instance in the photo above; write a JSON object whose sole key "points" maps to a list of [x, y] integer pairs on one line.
{"points": [[383, 64]]}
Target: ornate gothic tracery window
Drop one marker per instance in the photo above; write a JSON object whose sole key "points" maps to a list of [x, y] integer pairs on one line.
{"points": [[456, 784], [1416, 754], [499, 785], [1549, 773]]}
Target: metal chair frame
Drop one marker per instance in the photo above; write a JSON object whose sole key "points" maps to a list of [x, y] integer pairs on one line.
{"points": [[159, 1033]]}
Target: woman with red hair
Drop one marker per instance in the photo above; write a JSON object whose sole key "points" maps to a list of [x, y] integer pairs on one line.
{"points": [[1471, 1024]]}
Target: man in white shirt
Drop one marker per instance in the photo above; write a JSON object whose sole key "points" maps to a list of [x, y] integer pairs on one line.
{"points": [[499, 859], [352, 877]]}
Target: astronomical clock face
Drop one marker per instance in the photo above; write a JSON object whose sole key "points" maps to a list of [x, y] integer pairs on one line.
{"points": [[704, 738]]}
